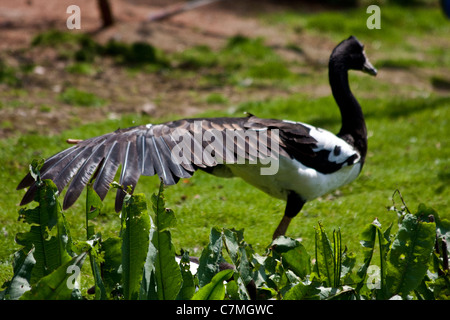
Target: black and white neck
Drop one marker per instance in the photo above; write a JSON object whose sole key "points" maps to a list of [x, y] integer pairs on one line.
{"points": [[353, 129]]}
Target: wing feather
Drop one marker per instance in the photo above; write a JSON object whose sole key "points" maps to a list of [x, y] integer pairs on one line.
{"points": [[107, 170], [130, 173], [149, 149], [83, 175]]}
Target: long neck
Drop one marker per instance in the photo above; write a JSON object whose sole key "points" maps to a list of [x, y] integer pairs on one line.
{"points": [[353, 125]]}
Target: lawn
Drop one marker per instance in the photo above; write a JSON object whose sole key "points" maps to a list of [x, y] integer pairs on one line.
{"points": [[407, 109]]}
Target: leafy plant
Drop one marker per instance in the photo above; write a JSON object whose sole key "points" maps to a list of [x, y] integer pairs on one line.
{"points": [[84, 49], [83, 68], [39, 267], [8, 74], [141, 262], [77, 97]]}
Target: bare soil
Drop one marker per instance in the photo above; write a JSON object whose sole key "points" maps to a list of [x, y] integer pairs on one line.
{"points": [[38, 110]]}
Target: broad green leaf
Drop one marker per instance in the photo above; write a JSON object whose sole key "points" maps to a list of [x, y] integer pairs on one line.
{"points": [[135, 241], [236, 289], [283, 244], [348, 263], [423, 292], [409, 255], [167, 271], [100, 289], [325, 263], [188, 287], [384, 243], [20, 282], [93, 207], [298, 260], [148, 290], [58, 285], [294, 255], [215, 290], [344, 293], [441, 288], [337, 253], [244, 267], [232, 290], [111, 268], [210, 257], [239, 253], [91, 246], [442, 225], [48, 233], [232, 245], [368, 244], [165, 218], [259, 273], [242, 291], [303, 291]]}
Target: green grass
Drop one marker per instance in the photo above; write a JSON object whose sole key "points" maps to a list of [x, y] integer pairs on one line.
{"points": [[216, 98], [408, 134], [82, 68], [407, 34], [8, 74], [242, 61], [77, 97]]}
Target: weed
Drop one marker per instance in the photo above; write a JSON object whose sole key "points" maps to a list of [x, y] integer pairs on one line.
{"points": [[140, 263], [82, 48], [216, 98], [54, 38], [196, 57], [83, 68], [77, 97], [8, 74], [137, 53]]}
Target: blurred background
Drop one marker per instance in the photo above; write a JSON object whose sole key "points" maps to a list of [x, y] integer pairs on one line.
{"points": [[36, 58]]}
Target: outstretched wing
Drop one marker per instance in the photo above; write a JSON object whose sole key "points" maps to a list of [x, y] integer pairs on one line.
{"points": [[171, 150]]}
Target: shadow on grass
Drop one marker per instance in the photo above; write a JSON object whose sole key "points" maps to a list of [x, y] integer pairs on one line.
{"points": [[403, 107]]}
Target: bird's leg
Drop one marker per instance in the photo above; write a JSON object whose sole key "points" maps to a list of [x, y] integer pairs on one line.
{"points": [[294, 205], [282, 227]]}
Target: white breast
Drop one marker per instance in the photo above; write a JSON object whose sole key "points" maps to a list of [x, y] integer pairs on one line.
{"points": [[293, 175]]}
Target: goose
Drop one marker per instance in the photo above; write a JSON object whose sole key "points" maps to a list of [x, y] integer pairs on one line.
{"points": [[302, 162]]}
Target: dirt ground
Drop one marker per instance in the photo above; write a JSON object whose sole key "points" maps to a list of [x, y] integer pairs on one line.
{"points": [[211, 25], [36, 107], [20, 20]]}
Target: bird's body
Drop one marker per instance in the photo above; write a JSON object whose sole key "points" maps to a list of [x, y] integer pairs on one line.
{"points": [[288, 160], [308, 181]]}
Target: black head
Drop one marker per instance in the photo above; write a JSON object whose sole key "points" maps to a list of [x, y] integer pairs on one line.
{"points": [[350, 55]]}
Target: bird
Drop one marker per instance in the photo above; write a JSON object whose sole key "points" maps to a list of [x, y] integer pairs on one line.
{"points": [[445, 4], [302, 161]]}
